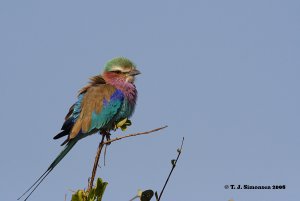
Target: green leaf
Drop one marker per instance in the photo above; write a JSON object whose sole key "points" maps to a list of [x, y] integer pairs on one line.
{"points": [[123, 124], [95, 194], [100, 188], [147, 195], [156, 195], [173, 162], [91, 195], [79, 196]]}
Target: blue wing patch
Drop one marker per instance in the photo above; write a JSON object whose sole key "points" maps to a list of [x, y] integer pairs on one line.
{"points": [[108, 112]]}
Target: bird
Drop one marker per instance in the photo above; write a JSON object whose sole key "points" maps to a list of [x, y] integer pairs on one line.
{"points": [[108, 99]]}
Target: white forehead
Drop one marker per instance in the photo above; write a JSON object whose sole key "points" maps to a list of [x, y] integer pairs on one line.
{"points": [[123, 69]]}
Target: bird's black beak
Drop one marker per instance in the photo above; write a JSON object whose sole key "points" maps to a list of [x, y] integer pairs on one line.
{"points": [[134, 72]]}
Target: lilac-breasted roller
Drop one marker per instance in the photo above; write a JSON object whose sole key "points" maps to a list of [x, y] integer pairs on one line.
{"points": [[108, 99]]}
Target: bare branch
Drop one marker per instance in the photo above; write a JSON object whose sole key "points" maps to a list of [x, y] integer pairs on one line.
{"points": [[135, 134], [174, 162], [102, 143]]}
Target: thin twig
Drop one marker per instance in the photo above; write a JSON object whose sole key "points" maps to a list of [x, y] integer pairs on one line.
{"points": [[90, 186], [134, 198], [102, 143], [134, 134], [173, 167], [104, 162]]}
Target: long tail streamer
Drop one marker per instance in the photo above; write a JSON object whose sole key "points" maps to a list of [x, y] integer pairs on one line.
{"points": [[62, 154]]}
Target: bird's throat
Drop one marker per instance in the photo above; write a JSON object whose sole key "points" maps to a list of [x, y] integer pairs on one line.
{"points": [[123, 84]]}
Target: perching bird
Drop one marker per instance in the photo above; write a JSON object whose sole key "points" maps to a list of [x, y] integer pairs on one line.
{"points": [[106, 101]]}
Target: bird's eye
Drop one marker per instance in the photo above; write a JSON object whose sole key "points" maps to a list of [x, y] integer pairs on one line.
{"points": [[117, 71]]}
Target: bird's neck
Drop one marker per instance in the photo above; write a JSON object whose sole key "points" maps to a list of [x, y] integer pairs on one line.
{"points": [[120, 83]]}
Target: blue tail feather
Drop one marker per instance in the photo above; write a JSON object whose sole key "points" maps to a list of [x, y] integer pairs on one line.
{"points": [[62, 154]]}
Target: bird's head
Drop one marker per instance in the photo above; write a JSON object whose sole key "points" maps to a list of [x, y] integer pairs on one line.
{"points": [[121, 69]]}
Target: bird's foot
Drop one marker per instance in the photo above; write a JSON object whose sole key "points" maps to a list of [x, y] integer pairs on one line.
{"points": [[106, 134]]}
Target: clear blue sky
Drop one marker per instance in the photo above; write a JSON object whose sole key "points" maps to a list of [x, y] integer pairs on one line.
{"points": [[224, 74]]}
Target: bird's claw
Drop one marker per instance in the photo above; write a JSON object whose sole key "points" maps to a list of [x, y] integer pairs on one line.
{"points": [[106, 134]]}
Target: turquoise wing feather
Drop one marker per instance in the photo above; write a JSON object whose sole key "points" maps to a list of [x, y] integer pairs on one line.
{"points": [[106, 118], [98, 110], [95, 109]]}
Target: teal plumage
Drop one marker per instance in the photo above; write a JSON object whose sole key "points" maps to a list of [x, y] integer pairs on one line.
{"points": [[107, 99]]}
